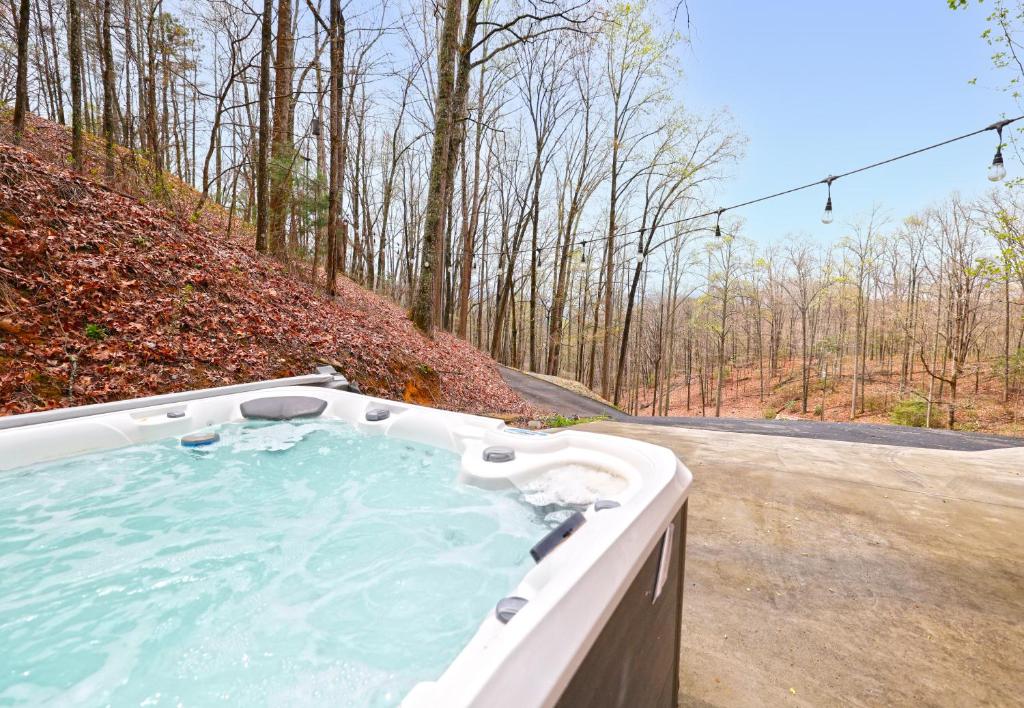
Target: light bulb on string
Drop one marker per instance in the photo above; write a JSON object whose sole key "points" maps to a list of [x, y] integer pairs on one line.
{"points": [[997, 170], [826, 216]]}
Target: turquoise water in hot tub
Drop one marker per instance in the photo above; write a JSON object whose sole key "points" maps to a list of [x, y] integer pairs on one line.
{"points": [[288, 564]]}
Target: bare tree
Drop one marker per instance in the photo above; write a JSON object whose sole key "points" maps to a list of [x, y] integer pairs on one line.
{"points": [[862, 247], [725, 269], [456, 52], [636, 63], [966, 280], [687, 156], [811, 276]]}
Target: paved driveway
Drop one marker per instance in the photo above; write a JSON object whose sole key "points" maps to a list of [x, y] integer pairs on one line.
{"points": [[554, 398]]}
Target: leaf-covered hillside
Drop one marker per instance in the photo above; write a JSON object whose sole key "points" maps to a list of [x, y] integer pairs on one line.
{"points": [[109, 293]]}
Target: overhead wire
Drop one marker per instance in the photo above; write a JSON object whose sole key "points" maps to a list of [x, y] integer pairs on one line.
{"points": [[828, 181]]}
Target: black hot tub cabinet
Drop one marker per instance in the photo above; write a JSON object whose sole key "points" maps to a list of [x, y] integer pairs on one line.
{"points": [[596, 622]]}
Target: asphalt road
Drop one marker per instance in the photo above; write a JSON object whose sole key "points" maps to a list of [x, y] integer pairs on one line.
{"points": [[556, 399]]}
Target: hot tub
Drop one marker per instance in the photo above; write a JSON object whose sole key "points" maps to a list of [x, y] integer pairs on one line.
{"points": [[293, 542]]}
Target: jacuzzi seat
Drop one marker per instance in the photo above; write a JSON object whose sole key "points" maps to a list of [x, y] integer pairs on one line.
{"points": [[598, 615]]}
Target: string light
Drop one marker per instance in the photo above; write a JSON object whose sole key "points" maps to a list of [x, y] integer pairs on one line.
{"points": [[997, 170], [826, 217]]}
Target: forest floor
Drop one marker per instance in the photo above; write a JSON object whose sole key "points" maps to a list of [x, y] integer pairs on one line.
{"points": [[832, 573], [980, 407], [112, 290]]}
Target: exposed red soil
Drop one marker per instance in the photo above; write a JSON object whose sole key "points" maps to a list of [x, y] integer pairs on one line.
{"points": [[105, 297]]}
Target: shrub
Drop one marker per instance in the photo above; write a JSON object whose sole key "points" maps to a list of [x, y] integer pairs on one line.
{"points": [[96, 332], [875, 404], [912, 412], [768, 413]]}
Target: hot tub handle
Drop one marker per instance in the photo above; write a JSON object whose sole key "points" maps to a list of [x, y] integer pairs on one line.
{"points": [[557, 535]]}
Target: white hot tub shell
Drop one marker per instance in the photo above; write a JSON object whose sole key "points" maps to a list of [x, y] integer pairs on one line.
{"points": [[601, 621]]}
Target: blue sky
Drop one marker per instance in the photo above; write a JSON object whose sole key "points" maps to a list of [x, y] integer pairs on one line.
{"points": [[823, 87]]}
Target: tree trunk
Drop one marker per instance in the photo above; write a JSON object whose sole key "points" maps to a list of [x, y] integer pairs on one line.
{"points": [[263, 149], [448, 133], [75, 69], [109, 95], [470, 227], [952, 402], [281, 157], [856, 347], [624, 343], [535, 254], [337, 43], [721, 357], [21, 87], [805, 374], [427, 302], [609, 268], [1006, 333], [321, 163]]}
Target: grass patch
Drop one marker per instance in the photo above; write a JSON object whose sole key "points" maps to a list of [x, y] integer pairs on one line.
{"points": [[96, 332], [560, 421]]}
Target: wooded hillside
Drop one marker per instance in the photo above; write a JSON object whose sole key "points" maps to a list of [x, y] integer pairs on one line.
{"points": [[104, 296]]}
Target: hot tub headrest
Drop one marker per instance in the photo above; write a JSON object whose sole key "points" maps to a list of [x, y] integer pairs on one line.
{"points": [[283, 407]]}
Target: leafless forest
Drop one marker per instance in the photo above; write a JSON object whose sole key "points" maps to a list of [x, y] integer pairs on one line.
{"points": [[524, 175]]}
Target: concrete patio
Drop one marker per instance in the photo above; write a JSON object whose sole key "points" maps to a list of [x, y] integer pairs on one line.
{"points": [[824, 572]]}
